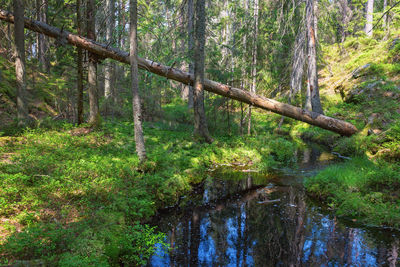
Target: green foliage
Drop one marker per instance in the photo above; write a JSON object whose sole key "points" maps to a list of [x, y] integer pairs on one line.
{"points": [[78, 193], [360, 189], [367, 187], [356, 145], [394, 132]]}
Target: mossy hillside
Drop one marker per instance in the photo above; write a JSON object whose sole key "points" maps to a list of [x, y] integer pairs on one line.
{"points": [[367, 187], [79, 197], [369, 99]]}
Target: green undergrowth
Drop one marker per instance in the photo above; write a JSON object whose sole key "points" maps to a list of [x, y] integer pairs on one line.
{"points": [[79, 197], [366, 190]]}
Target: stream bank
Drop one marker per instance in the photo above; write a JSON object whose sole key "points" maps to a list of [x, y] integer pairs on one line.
{"points": [[246, 218]]}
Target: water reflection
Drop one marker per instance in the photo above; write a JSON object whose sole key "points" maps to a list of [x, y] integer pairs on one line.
{"points": [[242, 219]]}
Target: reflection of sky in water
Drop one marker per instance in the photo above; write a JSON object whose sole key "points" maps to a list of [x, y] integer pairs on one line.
{"points": [[206, 246], [239, 232], [361, 253], [232, 239], [321, 234], [160, 257]]}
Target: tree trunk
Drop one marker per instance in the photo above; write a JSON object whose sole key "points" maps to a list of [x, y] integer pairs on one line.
{"points": [[315, 15], [385, 21], [200, 123], [42, 40], [137, 111], [298, 61], [254, 62], [346, 14], [312, 87], [38, 39], [79, 63], [19, 38], [183, 20], [94, 114], [369, 17], [243, 67], [9, 42], [104, 51], [385, 15], [190, 29], [109, 66]]}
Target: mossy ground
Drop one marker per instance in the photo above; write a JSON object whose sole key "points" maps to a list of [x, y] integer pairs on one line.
{"points": [[365, 188], [78, 196]]}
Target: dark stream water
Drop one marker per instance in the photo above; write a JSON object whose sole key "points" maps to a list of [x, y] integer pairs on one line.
{"points": [[241, 218]]}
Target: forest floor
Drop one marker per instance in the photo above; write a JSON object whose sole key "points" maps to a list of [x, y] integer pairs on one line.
{"points": [[361, 84], [78, 196]]}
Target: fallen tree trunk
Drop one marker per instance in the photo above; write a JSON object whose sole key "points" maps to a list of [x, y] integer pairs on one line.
{"points": [[104, 51]]}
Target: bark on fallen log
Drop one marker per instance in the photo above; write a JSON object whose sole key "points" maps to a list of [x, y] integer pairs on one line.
{"points": [[104, 51]]}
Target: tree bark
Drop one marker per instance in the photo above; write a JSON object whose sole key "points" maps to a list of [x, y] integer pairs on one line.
{"points": [[243, 67], [385, 15], [385, 20], [137, 110], [104, 51], [79, 63], [298, 62], [43, 40], [19, 38], [38, 39], [254, 62], [200, 123], [108, 69], [346, 14], [369, 17], [94, 114], [312, 88], [190, 29], [119, 74], [183, 20]]}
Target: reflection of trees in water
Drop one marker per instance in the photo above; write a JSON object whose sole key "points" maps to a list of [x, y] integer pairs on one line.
{"points": [[280, 233], [251, 229], [194, 238], [393, 253]]}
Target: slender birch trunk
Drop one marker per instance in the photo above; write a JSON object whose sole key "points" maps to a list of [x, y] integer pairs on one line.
{"points": [[369, 17]]}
